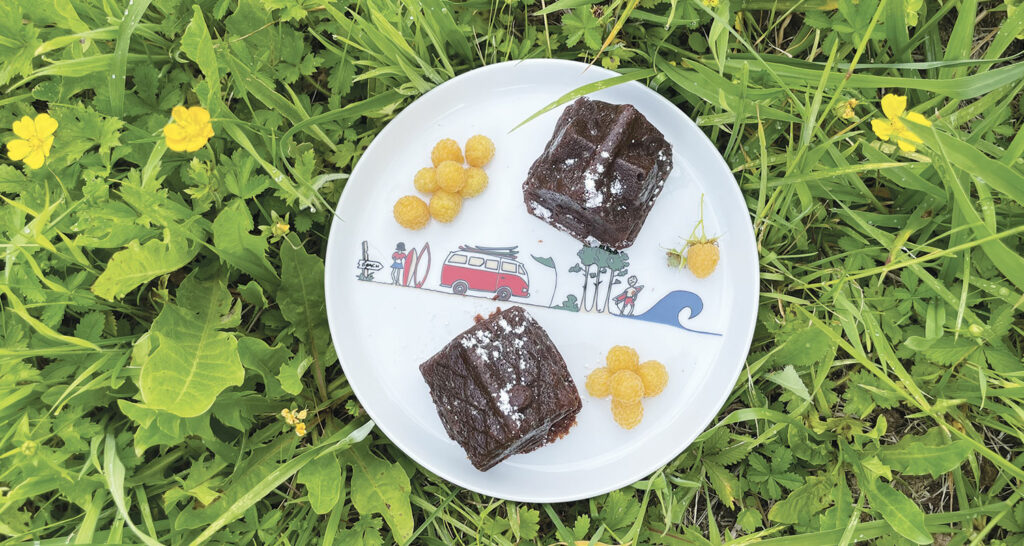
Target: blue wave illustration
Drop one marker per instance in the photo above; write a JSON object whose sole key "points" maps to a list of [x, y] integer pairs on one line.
{"points": [[666, 310]]}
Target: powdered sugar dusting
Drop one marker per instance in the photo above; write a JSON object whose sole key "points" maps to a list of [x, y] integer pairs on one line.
{"points": [[540, 211], [594, 197], [505, 406]]}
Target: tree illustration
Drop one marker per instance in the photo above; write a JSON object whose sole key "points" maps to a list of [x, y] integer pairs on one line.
{"points": [[617, 264], [594, 263], [549, 262], [588, 259]]}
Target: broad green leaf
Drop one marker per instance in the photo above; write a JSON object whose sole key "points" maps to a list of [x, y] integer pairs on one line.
{"points": [[158, 427], [805, 347], [267, 361], [943, 350], [876, 468], [236, 246], [380, 487], [19, 43], [803, 502], [196, 43], [364, 532], [789, 379], [252, 293], [323, 480], [724, 482], [194, 360], [138, 264], [524, 523], [581, 526], [899, 511], [301, 298], [925, 454], [291, 373]]}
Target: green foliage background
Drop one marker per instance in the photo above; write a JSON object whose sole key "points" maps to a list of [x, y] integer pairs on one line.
{"points": [[154, 323]]}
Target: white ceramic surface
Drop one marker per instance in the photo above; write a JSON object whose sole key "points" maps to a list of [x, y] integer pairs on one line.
{"points": [[382, 332]]}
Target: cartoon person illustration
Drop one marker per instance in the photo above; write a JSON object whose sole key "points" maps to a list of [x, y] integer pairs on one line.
{"points": [[398, 263], [627, 298]]}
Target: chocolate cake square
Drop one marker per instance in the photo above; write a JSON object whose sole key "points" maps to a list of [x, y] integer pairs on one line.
{"points": [[501, 388], [600, 173]]}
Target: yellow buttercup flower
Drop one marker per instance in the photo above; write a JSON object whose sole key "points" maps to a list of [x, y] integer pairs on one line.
{"points": [[191, 129], [300, 429], [893, 106], [36, 138]]}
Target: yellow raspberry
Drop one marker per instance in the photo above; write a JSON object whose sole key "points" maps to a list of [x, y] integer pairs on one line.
{"points": [[479, 150], [411, 212], [654, 377], [425, 180], [621, 357], [702, 258], [451, 176], [599, 383], [444, 206], [476, 181], [446, 149], [627, 415], [627, 387]]}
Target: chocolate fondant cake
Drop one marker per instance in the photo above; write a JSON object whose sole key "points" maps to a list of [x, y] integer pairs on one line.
{"points": [[501, 388], [600, 173]]}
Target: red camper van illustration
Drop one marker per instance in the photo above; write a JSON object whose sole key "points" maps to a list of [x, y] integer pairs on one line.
{"points": [[486, 269]]}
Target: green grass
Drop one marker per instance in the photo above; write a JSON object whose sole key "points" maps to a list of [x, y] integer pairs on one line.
{"points": [[883, 399]]}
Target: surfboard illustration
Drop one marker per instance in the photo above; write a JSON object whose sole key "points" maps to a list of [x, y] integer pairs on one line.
{"points": [[410, 265], [421, 278], [415, 271]]}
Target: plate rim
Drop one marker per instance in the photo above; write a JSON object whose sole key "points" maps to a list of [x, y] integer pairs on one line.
{"points": [[747, 328]]}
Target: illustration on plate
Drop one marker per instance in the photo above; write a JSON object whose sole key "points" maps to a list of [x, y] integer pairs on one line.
{"points": [[497, 273], [493, 270], [398, 265], [367, 266], [626, 300]]}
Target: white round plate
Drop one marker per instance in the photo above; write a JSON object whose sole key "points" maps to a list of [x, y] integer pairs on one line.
{"points": [[383, 331]]}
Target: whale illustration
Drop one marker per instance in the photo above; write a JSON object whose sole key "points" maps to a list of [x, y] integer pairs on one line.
{"points": [[666, 310]]}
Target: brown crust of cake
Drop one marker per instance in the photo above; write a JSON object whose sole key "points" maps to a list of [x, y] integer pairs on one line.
{"points": [[501, 387], [599, 174]]}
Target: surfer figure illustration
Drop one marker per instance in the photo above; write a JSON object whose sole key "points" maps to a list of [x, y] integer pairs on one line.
{"points": [[627, 298], [398, 263]]}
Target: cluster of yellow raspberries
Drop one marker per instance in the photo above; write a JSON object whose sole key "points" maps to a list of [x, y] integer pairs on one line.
{"points": [[448, 182], [628, 382]]}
